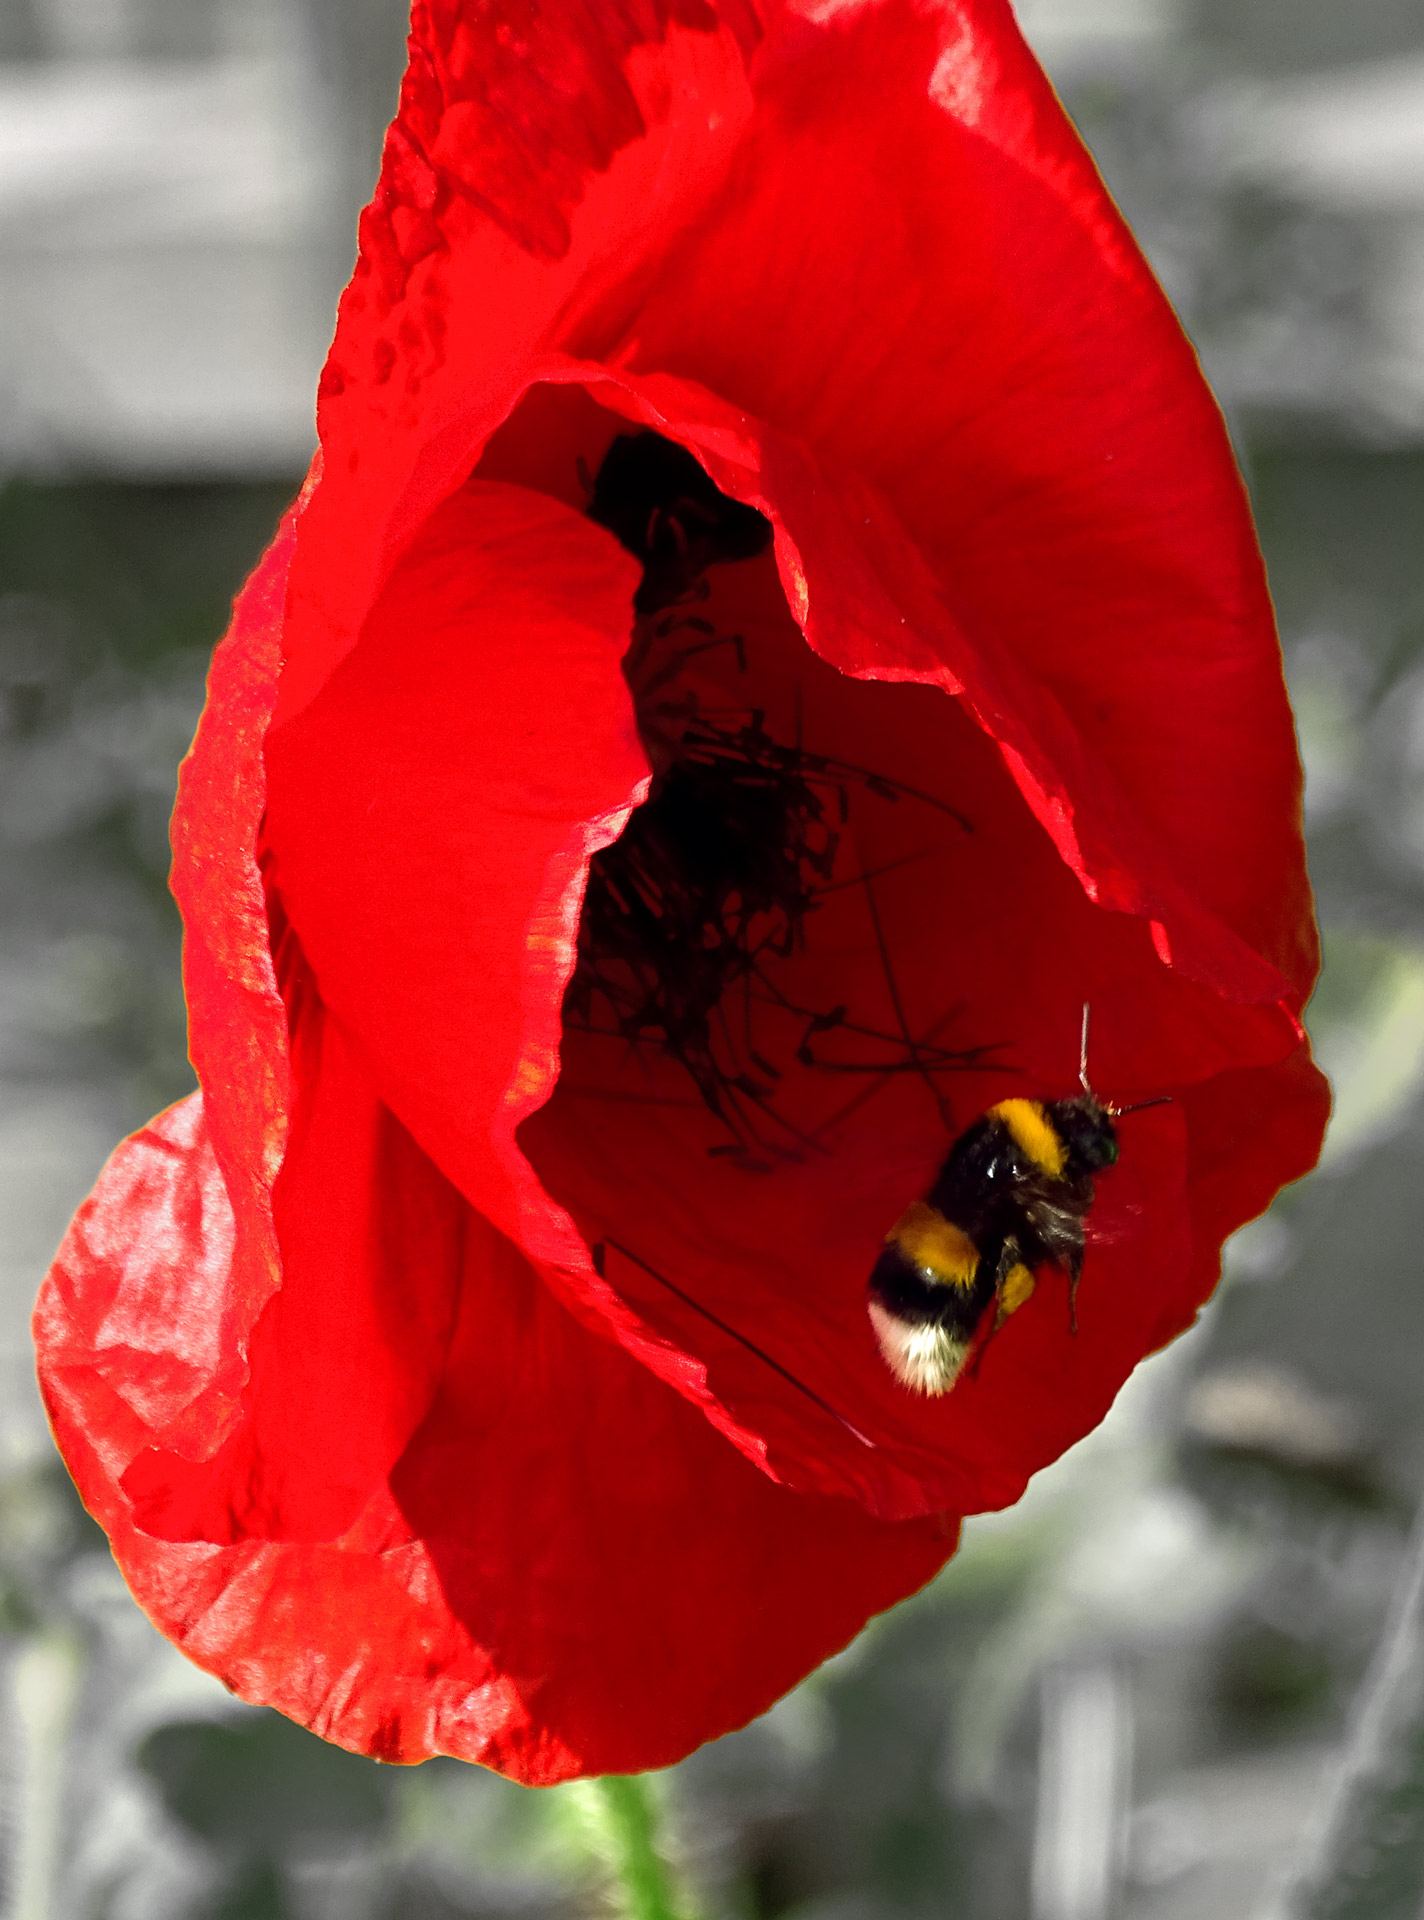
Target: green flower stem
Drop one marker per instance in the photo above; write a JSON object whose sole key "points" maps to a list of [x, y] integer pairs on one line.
{"points": [[627, 1816]]}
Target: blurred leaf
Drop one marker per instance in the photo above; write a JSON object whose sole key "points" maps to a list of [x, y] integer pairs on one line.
{"points": [[1269, 1681], [257, 1894], [261, 1783]]}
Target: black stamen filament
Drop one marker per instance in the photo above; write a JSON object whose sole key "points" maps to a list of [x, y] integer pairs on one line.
{"points": [[599, 1259]]}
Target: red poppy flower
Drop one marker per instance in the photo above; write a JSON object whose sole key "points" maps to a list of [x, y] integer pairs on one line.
{"points": [[480, 1363]]}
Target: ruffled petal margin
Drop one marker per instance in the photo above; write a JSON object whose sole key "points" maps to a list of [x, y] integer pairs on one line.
{"points": [[545, 1608]]}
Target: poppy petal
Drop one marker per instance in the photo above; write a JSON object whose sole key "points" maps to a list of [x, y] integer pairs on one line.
{"points": [[497, 1602]]}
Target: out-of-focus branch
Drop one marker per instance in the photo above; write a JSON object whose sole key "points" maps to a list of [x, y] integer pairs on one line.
{"points": [[1084, 1781], [1366, 1860]]}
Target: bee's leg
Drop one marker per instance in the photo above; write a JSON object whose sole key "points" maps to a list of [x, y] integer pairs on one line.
{"points": [[1014, 1284], [1001, 1265], [1075, 1274]]}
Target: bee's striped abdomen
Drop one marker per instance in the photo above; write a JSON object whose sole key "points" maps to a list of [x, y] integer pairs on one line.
{"points": [[927, 1292]]}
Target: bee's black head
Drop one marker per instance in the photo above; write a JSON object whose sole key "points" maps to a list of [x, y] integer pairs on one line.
{"points": [[1087, 1132]]}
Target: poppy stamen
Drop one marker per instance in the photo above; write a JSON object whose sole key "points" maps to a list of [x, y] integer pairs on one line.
{"points": [[599, 1254], [719, 871]]}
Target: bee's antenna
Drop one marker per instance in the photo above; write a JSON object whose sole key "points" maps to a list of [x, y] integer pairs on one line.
{"points": [[1115, 1113]]}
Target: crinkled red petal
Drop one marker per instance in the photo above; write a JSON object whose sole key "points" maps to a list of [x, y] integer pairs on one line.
{"points": [[546, 1607]]}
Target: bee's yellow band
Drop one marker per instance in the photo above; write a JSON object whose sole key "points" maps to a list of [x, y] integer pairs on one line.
{"points": [[942, 1251], [1033, 1133]]}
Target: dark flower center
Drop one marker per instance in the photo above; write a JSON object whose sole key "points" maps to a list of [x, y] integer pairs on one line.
{"points": [[716, 875], [660, 505]]}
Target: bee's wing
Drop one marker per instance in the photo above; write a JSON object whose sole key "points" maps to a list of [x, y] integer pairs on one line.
{"points": [[1114, 1228]]}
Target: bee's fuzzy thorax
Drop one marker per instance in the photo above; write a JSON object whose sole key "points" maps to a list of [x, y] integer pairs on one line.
{"points": [[1032, 1129]]}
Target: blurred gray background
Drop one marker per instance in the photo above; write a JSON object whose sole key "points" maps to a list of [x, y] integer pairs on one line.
{"points": [[1124, 1700]]}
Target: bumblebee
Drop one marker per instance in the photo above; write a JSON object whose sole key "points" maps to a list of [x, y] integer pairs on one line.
{"points": [[1012, 1196]]}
